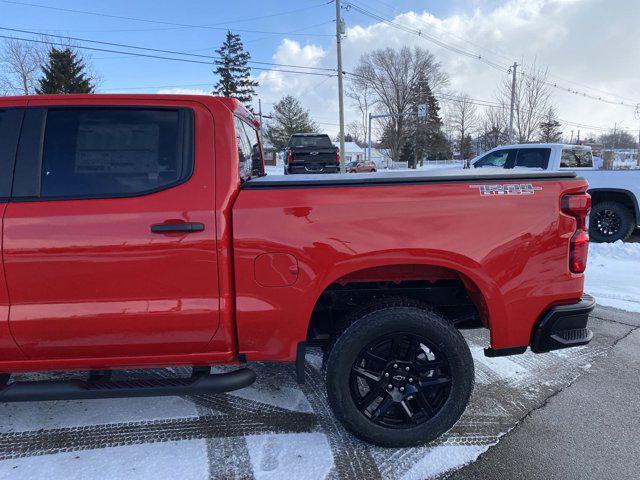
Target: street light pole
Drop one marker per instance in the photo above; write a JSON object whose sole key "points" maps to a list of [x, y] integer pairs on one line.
{"points": [[340, 88], [369, 132]]}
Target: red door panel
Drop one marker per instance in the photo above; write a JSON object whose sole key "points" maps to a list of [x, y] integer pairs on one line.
{"points": [[88, 278], [9, 131]]}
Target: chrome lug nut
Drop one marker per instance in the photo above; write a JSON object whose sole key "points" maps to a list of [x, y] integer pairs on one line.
{"points": [[386, 374], [411, 380], [402, 389], [390, 387], [406, 369], [395, 365]]}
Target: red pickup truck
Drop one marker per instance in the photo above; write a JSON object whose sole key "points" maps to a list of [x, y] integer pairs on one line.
{"points": [[140, 231]]}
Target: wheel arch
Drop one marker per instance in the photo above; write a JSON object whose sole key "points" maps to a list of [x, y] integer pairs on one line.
{"points": [[620, 195], [427, 267]]}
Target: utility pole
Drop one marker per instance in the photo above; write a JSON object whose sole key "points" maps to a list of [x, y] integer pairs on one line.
{"points": [[513, 99], [339, 26], [637, 115], [415, 148], [260, 115]]}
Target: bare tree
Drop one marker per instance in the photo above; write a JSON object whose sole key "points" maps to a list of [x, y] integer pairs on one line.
{"points": [[391, 75], [363, 100], [464, 120], [356, 131], [20, 66], [21, 63], [494, 127], [532, 101]]}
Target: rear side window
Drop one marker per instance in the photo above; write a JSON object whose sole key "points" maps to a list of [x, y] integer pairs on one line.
{"points": [[9, 130], [249, 154], [497, 159], [115, 152], [320, 141], [576, 158], [533, 158]]}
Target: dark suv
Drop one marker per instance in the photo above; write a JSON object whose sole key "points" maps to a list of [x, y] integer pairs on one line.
{"points": [[311, 153]]}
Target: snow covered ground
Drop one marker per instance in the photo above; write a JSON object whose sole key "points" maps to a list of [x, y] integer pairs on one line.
{"points": [[273, 430], [613, 274]]}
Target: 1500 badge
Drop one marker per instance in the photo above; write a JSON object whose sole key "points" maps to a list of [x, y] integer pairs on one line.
{"points": [[507, 189]]}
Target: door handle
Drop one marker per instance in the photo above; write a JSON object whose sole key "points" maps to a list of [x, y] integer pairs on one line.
{"points": [[177, 227]]}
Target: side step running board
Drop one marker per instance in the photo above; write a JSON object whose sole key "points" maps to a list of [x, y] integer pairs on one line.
{"points": [[199, 383]]}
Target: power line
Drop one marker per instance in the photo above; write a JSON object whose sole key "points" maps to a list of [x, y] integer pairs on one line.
{"points": [[478, 56], [159, 57], [148, 49], [173, 24]]}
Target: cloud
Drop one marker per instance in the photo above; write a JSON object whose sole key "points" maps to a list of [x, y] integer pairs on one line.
{"points": [[588, 45]]}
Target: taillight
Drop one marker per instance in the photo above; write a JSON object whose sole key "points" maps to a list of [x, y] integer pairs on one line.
{"points": [[289, 157], [579, 251], [338, 154], [578, 206]]}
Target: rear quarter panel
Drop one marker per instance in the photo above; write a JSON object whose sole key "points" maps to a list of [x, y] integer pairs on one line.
{"points": [[514, 248]]}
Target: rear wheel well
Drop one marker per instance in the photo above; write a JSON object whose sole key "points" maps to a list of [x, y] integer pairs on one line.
{"points": [[454, 295]]}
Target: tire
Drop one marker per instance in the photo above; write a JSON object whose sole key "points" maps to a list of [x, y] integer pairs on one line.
{"points": [[418, 400], [610, 222]]}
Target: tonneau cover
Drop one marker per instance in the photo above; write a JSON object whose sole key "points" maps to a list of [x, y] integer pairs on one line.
{"points": [[404, 177]]}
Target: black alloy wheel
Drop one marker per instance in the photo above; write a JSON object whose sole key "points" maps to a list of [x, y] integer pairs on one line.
{"points": [[399, 374], [610, 221], [607, 222], [400, 380]]}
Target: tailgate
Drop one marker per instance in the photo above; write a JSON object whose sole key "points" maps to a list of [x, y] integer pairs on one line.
{"points": [[315, 158]]}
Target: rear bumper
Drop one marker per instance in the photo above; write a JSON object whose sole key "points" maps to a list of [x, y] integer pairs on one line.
{"points": [[294, 169], [564, 326]]}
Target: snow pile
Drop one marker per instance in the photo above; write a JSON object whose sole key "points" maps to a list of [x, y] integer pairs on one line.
{"points": [[613, 274]]}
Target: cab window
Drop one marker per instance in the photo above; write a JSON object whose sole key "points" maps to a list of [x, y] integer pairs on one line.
{"points": [[111, 152], [249, 152], [533, 158], [497, 159], [576, 158]]}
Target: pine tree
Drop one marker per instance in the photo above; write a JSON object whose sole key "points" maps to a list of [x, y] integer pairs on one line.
{"points": [[64, 72], [427, 132], [288, 118], [550, 128], [234, 74]]}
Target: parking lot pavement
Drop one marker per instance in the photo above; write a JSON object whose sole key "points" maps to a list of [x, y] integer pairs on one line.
{"points": [[589, 430], [519, 414]]}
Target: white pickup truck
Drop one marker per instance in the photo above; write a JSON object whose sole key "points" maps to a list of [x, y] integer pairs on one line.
{"points": [[615, 194]]}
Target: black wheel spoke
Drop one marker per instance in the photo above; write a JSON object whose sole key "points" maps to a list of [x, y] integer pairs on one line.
{"points": [[407, 411], [396, 345], [433, 382], [429, 365], [424, 405], [384, 407], [414, 349], [375, 362], [373, 394], [367, 374]]}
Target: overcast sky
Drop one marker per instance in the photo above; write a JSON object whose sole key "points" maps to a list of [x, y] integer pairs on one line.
{"points": [[591, 46]]}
